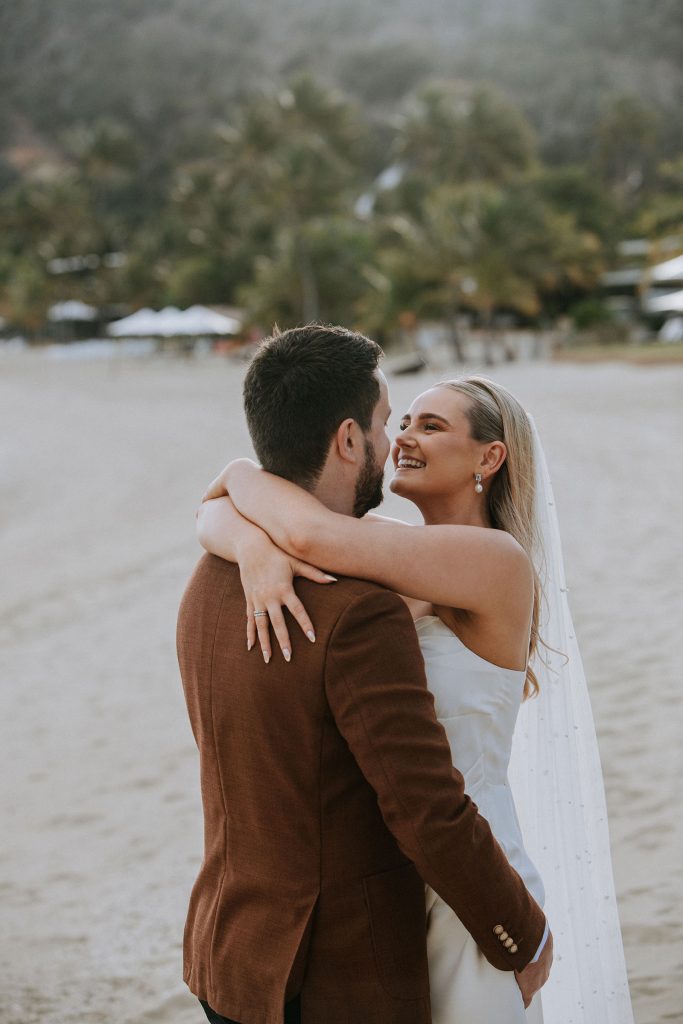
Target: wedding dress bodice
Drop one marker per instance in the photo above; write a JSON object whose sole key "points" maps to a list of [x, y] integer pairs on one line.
{"points": [[477, 703]]}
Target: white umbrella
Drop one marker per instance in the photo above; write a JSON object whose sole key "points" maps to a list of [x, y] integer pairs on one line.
{"points": [[71, 310], [169, 322], [202, 320], [136, 325], [172, 323]]}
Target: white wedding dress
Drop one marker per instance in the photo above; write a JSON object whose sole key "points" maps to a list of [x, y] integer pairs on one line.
{"points": [[553, 763], [477, 703]]}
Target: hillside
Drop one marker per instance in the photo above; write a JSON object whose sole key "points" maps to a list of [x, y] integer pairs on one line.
{"points": [[173, 67]]}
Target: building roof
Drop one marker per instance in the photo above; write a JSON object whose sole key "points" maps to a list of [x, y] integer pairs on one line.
{"points": [[670, 270], [670, 303]]}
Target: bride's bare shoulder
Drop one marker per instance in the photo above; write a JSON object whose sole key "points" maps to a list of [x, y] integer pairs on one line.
{"points": [[373, 517]]}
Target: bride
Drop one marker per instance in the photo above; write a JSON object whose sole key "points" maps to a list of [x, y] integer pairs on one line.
{"points": [[484, 582]]}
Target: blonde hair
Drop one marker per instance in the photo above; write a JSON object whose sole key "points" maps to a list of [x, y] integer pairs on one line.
{"points": [[496, 415]]}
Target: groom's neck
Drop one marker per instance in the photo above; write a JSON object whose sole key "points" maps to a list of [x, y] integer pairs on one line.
{"points": [[335, 492]]}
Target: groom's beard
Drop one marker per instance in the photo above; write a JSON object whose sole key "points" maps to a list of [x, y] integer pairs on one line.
{"points": [[369, 484]]}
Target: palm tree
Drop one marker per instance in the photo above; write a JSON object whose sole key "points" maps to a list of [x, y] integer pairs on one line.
{"points": [[487, 247], [455, 134], [289, 160]]}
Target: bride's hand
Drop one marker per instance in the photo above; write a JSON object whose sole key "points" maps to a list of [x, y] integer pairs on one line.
{"points": [[534, 976], [267, 573]]}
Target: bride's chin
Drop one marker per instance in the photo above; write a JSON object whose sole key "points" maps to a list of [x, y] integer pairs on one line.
{"points": [[397, 485]]}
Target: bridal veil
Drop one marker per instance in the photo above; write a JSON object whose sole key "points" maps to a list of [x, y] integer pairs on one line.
{"points": [[556, 778]]}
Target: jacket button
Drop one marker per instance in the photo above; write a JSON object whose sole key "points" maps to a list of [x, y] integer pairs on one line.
{"points": [[509, 943], [503, 936], [498, 930], [513, 948]]}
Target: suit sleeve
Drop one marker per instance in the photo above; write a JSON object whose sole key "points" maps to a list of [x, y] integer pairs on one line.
{"points": [[377, 691]]}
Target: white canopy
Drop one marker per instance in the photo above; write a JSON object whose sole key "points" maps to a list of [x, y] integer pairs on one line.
{"points": [[172, 323]]}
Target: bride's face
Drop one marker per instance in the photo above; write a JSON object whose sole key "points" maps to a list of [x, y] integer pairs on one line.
{"points": [[433, 453]]}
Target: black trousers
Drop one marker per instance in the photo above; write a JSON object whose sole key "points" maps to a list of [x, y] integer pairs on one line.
{"points": [[292, 1013]]}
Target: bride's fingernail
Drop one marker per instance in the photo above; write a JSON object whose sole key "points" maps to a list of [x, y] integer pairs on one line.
{"points": [[266, 656], [249, 645], [287, 653], [332, 579], [311, 636]]}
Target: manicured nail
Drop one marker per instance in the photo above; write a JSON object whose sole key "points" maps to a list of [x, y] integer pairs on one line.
{"points": [[311, 636], [266, 656], [250, 644], [287, 653], [332, 579]]}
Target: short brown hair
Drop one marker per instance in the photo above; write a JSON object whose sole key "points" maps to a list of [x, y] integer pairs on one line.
{"points": [[299, 387]]}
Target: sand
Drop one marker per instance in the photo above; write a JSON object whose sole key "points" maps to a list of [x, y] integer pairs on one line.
{"points": [[101, 466]]}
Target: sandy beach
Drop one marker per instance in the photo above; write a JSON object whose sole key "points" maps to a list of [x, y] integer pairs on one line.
{"points": [[101, 466]]}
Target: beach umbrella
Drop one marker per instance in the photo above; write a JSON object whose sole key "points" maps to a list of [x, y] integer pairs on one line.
{"points": [[172, 322], [71, 310], [202, 320], [137, 324]]}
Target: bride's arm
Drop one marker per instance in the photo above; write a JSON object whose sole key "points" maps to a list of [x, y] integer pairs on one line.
{"points": [[455, 566], [232, 536]]}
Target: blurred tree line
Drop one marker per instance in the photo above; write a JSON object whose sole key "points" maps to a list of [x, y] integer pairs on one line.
{"points": [[339, 161]]}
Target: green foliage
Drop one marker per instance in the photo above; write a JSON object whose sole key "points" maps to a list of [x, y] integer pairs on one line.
{"points": [[626, 149], [209, 149], [172, 67], [317, 272], [590, 312], [25, 292], [449, 133], [662, 214], [577, 191], [486, 246]]}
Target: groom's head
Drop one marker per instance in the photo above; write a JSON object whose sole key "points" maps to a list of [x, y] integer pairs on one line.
{"points": [[317, 405]]}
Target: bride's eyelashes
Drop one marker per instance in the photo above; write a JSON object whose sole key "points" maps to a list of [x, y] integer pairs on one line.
{"points": [[425, 426]]}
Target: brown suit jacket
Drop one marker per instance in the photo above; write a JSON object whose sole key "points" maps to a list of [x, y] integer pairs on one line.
{"points": [[328, 797]]}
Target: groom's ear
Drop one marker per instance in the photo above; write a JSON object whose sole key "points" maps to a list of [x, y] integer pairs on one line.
{"points": [[347, 441]]}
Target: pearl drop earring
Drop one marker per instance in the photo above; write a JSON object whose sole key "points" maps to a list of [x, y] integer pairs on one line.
{"points": [[478, 487]]}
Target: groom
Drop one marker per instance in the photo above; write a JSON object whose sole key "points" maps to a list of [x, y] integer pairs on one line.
{"points": [[328, 792]]}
